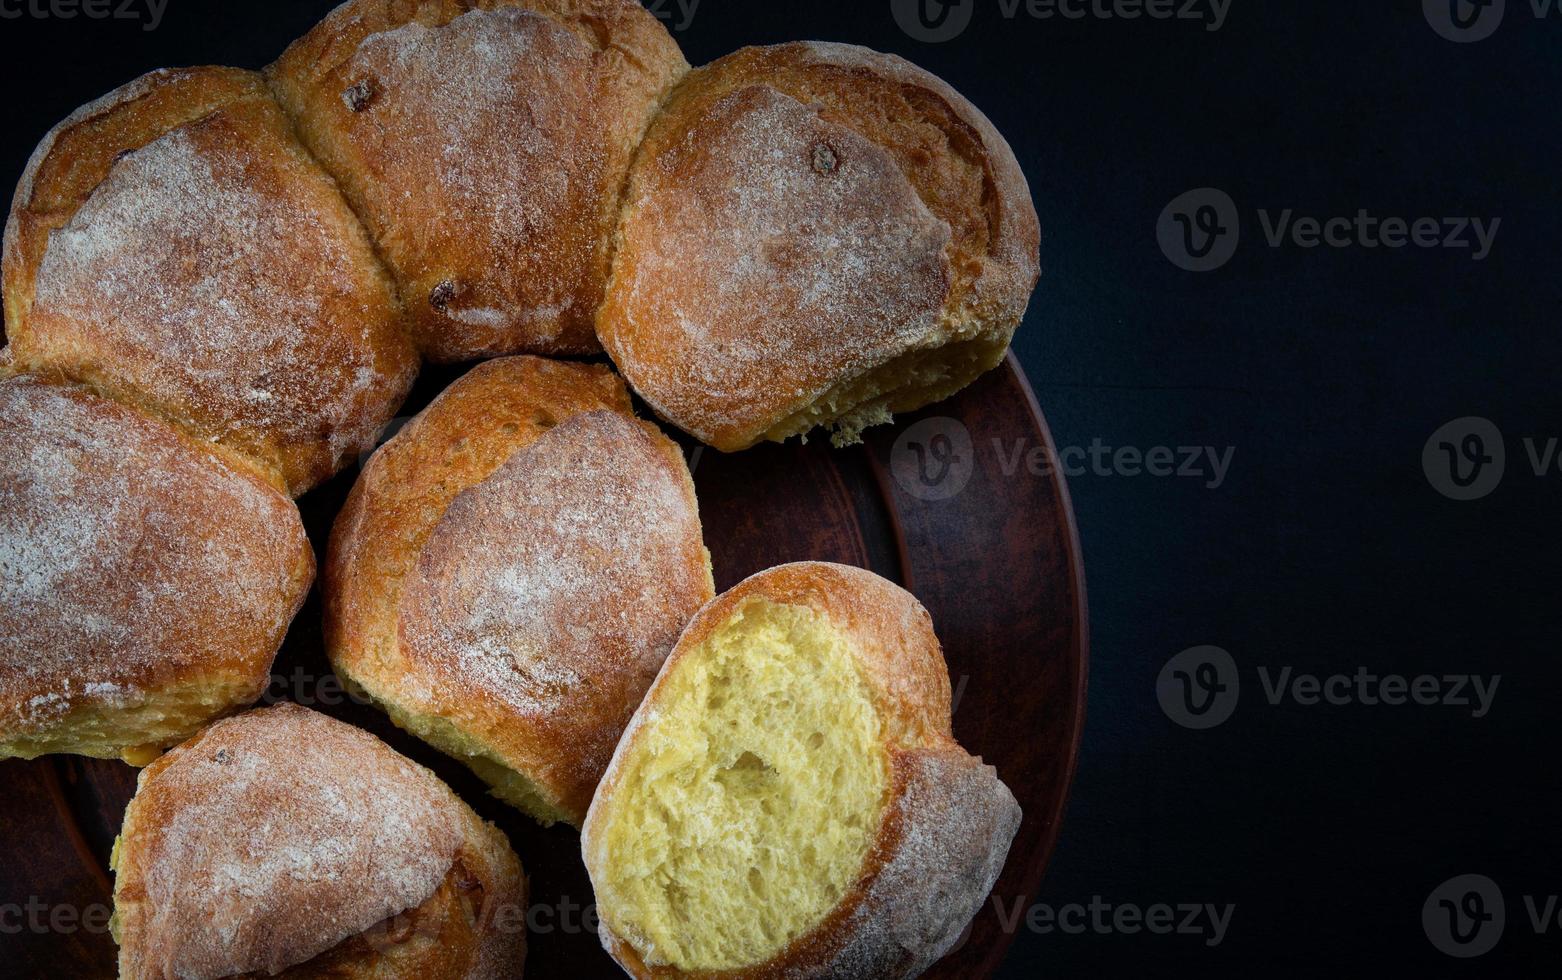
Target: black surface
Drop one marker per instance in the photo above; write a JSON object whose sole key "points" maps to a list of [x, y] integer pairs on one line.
{"points": [[1326, 548]]}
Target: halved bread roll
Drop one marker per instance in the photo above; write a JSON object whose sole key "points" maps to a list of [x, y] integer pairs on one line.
{"points": [[510, 571], [815, 234], [788, 800], [485, 144], [282, 842], [146, 579], [174, 246]]}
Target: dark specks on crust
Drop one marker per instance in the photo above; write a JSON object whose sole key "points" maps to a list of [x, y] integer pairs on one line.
{"points": [[825, 159], [359, 95], [442, 294]]}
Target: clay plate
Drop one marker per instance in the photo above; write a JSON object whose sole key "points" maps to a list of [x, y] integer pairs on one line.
{"points": [[934, 502]]}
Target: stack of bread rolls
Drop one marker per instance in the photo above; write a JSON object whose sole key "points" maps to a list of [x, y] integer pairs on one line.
{"points": [[218, 288]]}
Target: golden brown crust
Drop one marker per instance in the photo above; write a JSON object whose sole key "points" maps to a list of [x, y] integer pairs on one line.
{"points": [[456, 442], [539, 643], [116, 584], [282, 838], [948, 821], [842, 209], [174, 246], [472, 928], [485, 145]]}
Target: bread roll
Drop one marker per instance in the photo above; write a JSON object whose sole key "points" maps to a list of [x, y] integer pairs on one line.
{"points": [[788, 800], [485, 144], [510, 571], [283, 842], [146, 580], [174, 246], [815, 234]]}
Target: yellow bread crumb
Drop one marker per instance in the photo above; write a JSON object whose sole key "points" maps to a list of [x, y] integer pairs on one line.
{"points": [[747, 806]]}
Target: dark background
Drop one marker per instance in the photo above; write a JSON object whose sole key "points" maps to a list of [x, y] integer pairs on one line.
{"points": [[1326, 549]]}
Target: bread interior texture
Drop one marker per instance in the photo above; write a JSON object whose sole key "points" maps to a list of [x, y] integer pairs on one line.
{"points": [[903, 384], [136, 728], [505, 783], [746, 807]]}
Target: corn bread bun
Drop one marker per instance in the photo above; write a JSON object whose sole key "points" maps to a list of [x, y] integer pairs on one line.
{"points": [[510, 571], [129, 617], [283, 842], [788, 800], [485, 145], [815, 234], [174, 246]]}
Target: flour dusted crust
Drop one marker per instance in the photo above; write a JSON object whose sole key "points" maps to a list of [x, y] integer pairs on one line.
{"points": [[948, 822], [174, 246], [518, 562], [281, 836], [800, 216], [485, 145], [117, 586]]}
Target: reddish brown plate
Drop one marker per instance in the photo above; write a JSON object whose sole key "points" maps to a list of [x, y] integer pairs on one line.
{"points": [[934, 502]]}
